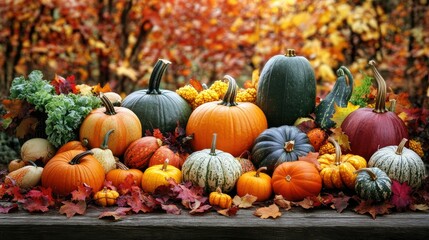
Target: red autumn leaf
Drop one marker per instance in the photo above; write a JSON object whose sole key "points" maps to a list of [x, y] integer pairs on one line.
{"points": [[341, 202], [196, 84], [116, 215], [7, 207], [70, 208], [372, 208], [326, 199], [158, 134], [15, 108], [198, 207], [83, 192], [64, 86], [228, 212], [171, 208], [126, 185], [36, 204], [401, 195], [311, 157]]}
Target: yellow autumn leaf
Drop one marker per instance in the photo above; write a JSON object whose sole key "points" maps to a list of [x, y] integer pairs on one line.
{"points": [[341, 113]]}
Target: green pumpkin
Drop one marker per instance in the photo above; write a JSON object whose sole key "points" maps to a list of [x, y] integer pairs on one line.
{"points": [[286, 89], [339, 95], [212, 168], [373, 184], [162, 109], [400, 164], [280, 144]]}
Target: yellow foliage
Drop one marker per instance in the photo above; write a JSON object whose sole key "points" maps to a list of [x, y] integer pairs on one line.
{"points": [[341, 113]]}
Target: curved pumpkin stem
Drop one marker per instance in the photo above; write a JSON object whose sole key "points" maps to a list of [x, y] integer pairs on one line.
{"points": [[104, 144], [401, 146], [165, 164], [121, 166], [76, 159], [337, 150], [110, 109], [260, 170], [231, 93], [156, 76], [369, 171], [380, 100], [213, 147]]}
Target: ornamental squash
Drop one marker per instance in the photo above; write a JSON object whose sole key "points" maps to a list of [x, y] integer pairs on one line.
{"points": [[158, 175], [296, 180], [104, 155], [370, 129], [339, 95], [218, 198], [373, 184], [106, 197], [279, 144], [255, 183], [158, 108], [99, 121], [212, 168], [66, 171], [337, 170], [140, 151], [25, 177], [400, 164], [236, 124], [286, 89]]}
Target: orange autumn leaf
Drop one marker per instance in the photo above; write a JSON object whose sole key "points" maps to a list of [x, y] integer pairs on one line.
{"points": [[98, 89], [271, 211], [283, 203], [14, 107], [244, 202], [341, 138], [26, 127], [196, 84]]}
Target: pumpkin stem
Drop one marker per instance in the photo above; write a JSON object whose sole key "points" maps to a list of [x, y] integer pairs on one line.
{"points": [[76, 159], [380, 100], [371, 174], [157, 73], [121, 166], [213, 147], [289, 146], [401, 146], [32, 163], [260, 170], [104, 144], [110, 109], [392, 107], [337, 150], [290, 53], [231, 92], [164, 166], [219, 190], [288, 178]]}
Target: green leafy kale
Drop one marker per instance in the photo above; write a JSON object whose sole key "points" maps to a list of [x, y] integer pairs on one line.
{"points": [[64, 113], [360, 93]]}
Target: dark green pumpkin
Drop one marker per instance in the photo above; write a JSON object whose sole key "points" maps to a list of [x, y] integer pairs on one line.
{"points": [[286, 89], [339, 95], [280, 144], [162, 109], [373, 184]]}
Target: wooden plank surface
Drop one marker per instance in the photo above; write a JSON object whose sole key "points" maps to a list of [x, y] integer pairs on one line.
{"points": [[294, 224]]}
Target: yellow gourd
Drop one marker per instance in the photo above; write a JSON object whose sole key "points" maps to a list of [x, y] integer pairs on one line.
{"points": [[106, 197], [158, 175]]}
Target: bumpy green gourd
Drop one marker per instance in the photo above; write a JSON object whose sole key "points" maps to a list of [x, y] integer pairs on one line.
{"points": [[340, 95]]}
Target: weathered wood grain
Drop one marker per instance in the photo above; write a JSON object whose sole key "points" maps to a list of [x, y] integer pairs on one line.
{"points": [[294, 224]]}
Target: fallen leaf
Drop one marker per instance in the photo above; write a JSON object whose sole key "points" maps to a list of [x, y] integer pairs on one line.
{"points": [[70, 208], [272, 211], [372, 208], [82, 193], [306, 203], [419, 207], [171, 208], [228, 212], [7, 207], [283, 203], [115, 215], [341, 202], [401, 195], [244, 202]]}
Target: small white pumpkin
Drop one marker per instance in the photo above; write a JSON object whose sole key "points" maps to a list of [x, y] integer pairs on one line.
{"points": [[212, 168], [26, 177], [104, 155], [400, 164]]}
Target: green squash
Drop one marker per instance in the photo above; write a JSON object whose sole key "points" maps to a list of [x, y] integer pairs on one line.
{"points": [[339, 95], [373, 184], [162, 109], [280, 144], [212, 168], [286, 89]]}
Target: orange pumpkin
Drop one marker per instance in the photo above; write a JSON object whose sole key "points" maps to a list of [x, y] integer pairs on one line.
{"points": [[118, 175], [163, 153], [218, 198], [236, 124], [255, 183], [124, 122], [296, 180], [66, 171], [74, 145]]}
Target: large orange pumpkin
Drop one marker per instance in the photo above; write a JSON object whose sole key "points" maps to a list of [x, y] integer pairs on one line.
{"points": [[124, 122], [68, 170], [296, 180], [236, 124]]}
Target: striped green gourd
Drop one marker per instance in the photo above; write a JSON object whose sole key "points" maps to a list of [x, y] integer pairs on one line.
{"points": [[339, 95], [212, 168], [400, 164], [373, 184]]}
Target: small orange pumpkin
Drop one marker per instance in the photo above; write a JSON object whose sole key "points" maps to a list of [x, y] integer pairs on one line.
{"points": [[106, 197], [66, 171], [118, 175], [218, 198], [98, 122], [255, 183], [74, 145]]}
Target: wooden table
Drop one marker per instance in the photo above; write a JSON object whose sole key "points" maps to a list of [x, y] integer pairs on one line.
{"points": [[295, 224]]}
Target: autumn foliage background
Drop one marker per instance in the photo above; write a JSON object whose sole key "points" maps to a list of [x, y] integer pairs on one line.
{"points": [[118, 41]]}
